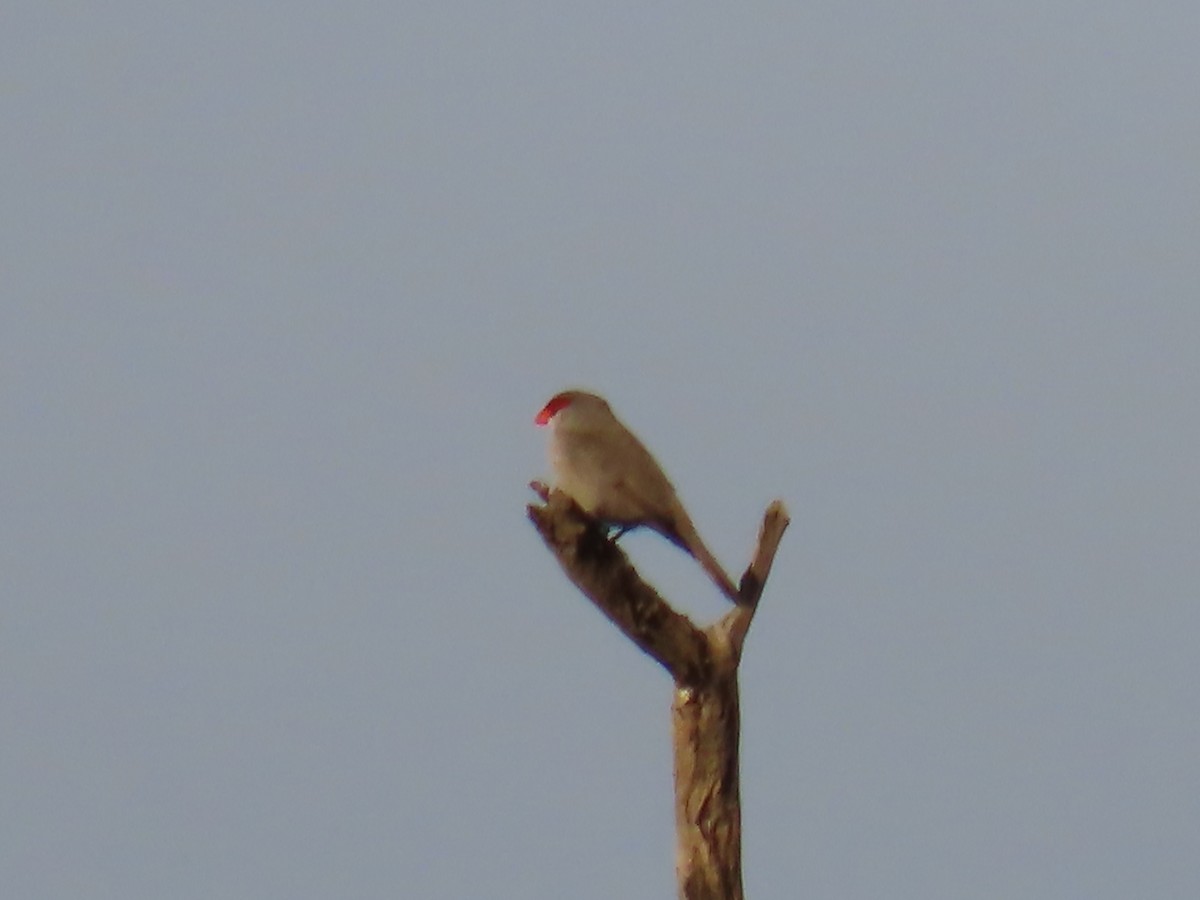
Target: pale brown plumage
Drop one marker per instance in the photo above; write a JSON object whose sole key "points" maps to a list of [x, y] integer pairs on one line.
{"points": [[607, 471]]}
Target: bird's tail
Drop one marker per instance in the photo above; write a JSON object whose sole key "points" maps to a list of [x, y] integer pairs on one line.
{"points": [[688, 539]]}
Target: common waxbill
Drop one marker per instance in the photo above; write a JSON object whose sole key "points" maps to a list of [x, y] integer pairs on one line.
{"points": [[604, 468]]}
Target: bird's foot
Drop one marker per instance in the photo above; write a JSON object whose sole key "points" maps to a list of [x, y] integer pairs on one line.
{"points": [[619, 531]]}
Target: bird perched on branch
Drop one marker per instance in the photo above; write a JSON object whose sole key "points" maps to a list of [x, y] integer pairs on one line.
{"points": [[605, 469]]}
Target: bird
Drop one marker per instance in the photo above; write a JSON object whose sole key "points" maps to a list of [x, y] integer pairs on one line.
{"points": [[601, 465]]}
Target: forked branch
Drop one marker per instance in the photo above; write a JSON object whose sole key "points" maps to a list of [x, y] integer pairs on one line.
{"points": [[703, 663]]}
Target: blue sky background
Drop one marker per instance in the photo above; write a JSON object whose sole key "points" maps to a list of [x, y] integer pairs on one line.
{"points": [[283, 286]]}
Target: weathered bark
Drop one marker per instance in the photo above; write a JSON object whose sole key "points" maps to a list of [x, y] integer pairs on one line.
{"points": [[703, 664]]}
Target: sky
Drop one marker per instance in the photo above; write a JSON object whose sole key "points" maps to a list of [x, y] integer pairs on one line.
{"points": [[284, 286]]}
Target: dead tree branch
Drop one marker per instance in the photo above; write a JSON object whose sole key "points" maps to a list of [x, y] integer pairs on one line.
{"points": [[702, 662]]}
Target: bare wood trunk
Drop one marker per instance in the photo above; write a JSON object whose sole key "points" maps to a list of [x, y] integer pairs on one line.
{"points": [[708, 812]]}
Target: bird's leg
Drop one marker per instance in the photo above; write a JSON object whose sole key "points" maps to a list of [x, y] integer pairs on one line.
{"points": [[619, 531]]}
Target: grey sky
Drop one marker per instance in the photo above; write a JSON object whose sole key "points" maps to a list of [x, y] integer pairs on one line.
{"points": [[283, 286]]}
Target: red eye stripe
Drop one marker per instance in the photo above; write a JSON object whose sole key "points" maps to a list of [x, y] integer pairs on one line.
{"points": [[550, 410]]}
